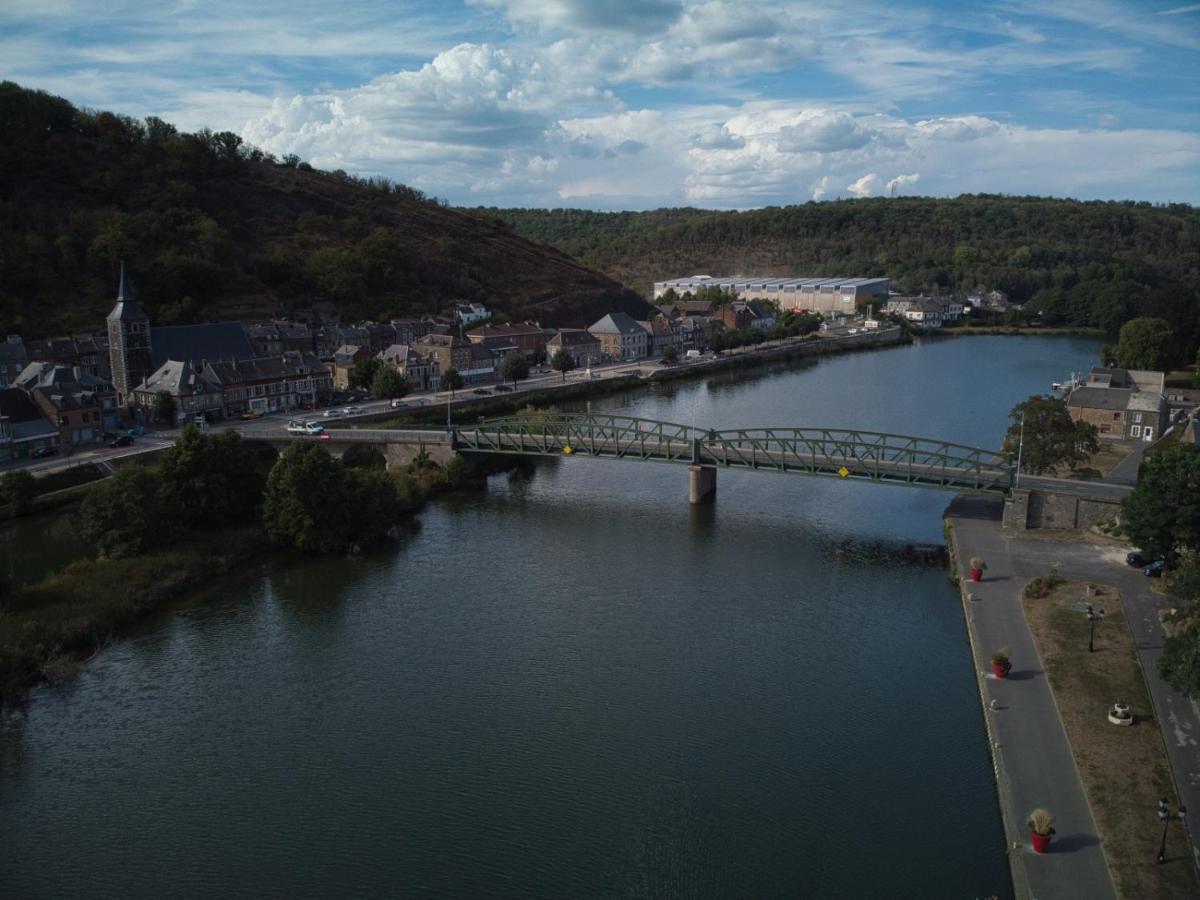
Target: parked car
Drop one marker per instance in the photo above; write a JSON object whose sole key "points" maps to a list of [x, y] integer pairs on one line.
{"points": [[397, 404], [503, 388], [123, 441], [136, 431], [43, 452], [297, 426], [1136, 559], [334, 413], [1155, 569], [252, 414]]}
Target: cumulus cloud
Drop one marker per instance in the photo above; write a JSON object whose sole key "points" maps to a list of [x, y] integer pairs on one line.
{"points": [[865, 186], [902, 181], [823, 132]]}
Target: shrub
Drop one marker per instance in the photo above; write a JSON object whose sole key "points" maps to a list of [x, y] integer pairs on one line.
{"points": [[1041, 821], [1042, 586]]}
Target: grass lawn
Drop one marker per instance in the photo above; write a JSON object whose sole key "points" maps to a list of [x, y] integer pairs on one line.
{"points": [[1111, 453], [1124, 769]]}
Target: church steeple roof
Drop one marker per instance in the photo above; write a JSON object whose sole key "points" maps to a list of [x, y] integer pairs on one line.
{"points": [[127, 308]]}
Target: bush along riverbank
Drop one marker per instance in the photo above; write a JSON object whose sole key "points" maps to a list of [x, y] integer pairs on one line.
{"points": [[212, 505]]}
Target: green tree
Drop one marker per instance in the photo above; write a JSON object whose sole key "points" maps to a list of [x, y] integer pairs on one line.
{"points": [[1145, 343], [1180, 660], [670, 355], [1162, 515], [372, 494], [1196, 374], [124, 515], [19, 488], [1051, 438], [363, 376], [514, 366], [389, 384], [305, 504], [164, 407], [211, 481], [563, 362], [451, 380]]}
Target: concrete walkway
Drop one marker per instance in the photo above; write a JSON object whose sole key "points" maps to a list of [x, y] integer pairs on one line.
{"points": [[1034, 765]]}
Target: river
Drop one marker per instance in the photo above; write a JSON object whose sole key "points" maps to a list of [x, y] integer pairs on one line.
{"points": [[570, 685]]}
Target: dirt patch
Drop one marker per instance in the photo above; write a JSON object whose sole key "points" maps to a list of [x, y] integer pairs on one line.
{"points": [[1124, 769]]}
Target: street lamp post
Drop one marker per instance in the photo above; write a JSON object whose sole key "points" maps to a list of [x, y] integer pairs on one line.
{"points": [[1164, 816], [1093, 617]]}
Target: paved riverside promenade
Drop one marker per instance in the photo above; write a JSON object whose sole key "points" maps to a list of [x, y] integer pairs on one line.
{"points": [[1032, 757]]}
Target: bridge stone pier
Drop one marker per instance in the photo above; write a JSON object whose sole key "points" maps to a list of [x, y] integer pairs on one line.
{"points": [[702, 484]]}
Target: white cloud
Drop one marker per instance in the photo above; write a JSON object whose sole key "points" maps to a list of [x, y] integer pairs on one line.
{"points": [[865, 186], [607, 15], [902, 181], [824, 132]]}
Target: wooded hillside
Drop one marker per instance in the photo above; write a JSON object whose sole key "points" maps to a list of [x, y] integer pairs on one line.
{"points": [[211, 228], [1093, 263]]}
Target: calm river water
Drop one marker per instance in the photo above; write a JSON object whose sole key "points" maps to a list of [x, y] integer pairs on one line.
{"points": [[572, 685]]}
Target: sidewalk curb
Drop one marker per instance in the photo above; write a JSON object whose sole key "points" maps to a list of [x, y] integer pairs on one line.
{"points": [[1016, 861]]}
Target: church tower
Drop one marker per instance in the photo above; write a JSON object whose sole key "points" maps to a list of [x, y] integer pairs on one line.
{"points": [[128, 342]]}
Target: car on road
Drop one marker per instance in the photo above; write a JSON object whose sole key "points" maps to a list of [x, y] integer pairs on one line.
{"points": [[351, 410], [253, 414], [123, 441], [398, 404], [300, 427], [136, 431], [334, 413], [481, 392], [1155, 569], [503, 389], [43, 452], [1136, 559]]}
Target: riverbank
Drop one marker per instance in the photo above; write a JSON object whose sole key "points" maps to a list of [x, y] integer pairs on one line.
{"points": [[964, 330], [468, 408]]}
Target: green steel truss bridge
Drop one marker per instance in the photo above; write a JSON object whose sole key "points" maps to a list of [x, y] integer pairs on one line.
{"points": [[834, 452]]}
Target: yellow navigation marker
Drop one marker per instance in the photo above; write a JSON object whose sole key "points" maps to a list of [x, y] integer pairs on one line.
{"points": [[843, 471], [568, 449]]}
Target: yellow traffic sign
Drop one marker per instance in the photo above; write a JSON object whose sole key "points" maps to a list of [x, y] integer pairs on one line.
{"points": [[843, 471]]}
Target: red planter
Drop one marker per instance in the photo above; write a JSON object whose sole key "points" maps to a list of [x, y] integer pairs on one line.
{"points": [[1041, 842], [1001, 669], [977, 574]]}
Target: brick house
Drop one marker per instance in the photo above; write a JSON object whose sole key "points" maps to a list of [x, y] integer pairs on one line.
{"points": [[621, 337], [23, 428], [420, 370], [528, 338], [1123, 404], [80, 404], [345, 359], [270, 384], [450, 351], [583, 346], [185, 382]]}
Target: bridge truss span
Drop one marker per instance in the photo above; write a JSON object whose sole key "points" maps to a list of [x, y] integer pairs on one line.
{"points": [[837, 452]]}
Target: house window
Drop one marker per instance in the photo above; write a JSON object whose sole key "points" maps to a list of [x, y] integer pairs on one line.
{"points": [[1105, 428], [1137, 417], [1135, 430], [1116, 417]]}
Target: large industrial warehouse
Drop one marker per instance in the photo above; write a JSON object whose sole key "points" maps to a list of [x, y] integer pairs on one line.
{"points": [[823, 295]]}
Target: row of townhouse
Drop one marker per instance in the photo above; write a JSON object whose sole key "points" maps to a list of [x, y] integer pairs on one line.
{"points": [[48, 404], [87, 353], [204, 390]]}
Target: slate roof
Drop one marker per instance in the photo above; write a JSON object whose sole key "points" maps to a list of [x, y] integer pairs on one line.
{"points": [[402, 355], [616, 323], [507, 330], [127, 308], [262, 369], [193, 343], [574, 337], [17, 405], [1099, 398], [177, 378]]}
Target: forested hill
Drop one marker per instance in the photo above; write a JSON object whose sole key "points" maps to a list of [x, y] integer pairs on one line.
{"points": [[211, 228], [1079, 263]]}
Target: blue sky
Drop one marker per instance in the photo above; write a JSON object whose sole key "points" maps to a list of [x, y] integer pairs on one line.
{"points": [[634, 104]]}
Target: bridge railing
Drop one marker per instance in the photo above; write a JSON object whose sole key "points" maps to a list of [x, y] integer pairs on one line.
{"points": [[588, 434]]}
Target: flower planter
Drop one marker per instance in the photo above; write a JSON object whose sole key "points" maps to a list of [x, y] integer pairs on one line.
{"points": [[1041, 842], [977, 574], [1001, 669]]}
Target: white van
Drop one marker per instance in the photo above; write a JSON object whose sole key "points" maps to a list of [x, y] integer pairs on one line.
{"points": [[692, 354]]}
